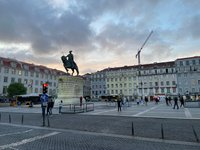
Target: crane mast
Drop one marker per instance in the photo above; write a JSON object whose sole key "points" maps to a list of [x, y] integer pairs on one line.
{"points": [[139, 50]]}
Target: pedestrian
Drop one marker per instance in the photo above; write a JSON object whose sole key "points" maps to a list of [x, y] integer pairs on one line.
{"points": [[138, 101], [44, 100], [81, 101], [146, 100], [175, 102], [50, 106], [170, 100], [60, 106], [182, 101], [166, 100], [119, 104]]}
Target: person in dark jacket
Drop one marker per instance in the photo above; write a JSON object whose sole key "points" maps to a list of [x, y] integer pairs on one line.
{"points": [[119, 101], [182, 101], [176, 102]]}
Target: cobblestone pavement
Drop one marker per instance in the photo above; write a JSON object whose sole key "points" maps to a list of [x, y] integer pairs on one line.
{"points": [[17, 137], [104, 128]]}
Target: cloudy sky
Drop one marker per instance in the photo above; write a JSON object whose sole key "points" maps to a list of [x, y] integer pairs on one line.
{"points": [[101, 33]]}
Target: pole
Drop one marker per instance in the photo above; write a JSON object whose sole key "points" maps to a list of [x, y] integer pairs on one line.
{"points": [[162, 131], [22, 119], [133, 131]]}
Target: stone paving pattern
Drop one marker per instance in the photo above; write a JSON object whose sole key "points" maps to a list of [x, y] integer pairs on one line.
{"points": [[106, 120]]}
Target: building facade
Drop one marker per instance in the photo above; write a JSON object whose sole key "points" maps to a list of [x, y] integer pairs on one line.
{"points": [[188, 75], [157, 79], [181, 76], [98, 84], [121, 81], [32, 76]]}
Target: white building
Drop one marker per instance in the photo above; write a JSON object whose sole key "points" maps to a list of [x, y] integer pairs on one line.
{"points": [[188, 75], [32, 76], [157, 79]]}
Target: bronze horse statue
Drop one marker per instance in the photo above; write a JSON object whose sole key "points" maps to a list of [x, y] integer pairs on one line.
{"points": [[67, 64]]}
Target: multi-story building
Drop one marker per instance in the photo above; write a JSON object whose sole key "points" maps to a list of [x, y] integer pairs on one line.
{"points": [[157, 79], [121, 81], [87, 85], [32, 76], [98, 84], [188, 75]]}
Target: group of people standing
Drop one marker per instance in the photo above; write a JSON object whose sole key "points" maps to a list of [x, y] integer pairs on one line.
{"points": [[176, 99]]}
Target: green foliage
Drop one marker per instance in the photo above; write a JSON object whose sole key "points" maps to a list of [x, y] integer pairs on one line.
{"points": [[16, 89]]}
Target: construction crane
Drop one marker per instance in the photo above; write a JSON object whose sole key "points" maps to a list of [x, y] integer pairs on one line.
{"points": [[139, 51]]}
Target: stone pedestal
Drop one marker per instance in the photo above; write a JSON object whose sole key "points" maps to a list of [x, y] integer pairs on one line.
{"points": [[70, 89]]}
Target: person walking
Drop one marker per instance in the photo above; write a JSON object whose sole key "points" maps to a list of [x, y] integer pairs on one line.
{"points": [[170, 100], [167, 101], [44, 100], [146, 100], [182, 101], [176, 102], [60, 106], [119, 104]]}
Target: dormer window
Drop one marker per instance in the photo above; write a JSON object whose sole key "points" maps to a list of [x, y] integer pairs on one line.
{"points": [[13, 64], [26, 67]]}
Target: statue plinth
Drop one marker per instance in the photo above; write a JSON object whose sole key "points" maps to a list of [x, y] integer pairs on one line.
{"points": [[70, 89]]}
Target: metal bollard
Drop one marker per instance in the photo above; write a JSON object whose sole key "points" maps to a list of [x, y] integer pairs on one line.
{"points": [[133, 131], [22, 119], [162, 131], [48, 121], [9, 118], [195, 134]]}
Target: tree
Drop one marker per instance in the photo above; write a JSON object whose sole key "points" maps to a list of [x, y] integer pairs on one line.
{"points": [[16, 89]]}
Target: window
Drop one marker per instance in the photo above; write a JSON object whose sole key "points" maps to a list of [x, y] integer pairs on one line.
{"points": [[4, 89], [193, 62], [116, 91], [12, 80], [161, 83], [25, 81], [19, 80], [174, 90], [26, 73], [157, 90], [173, 83], [168, 90], [37, 75], [162, 90], [181, 63], [156, 83], [125, 85], [167, 82], [19, 72], [13, 71], [36, 83], [116, 85], [5, 79], [187, 62], [6, 70]]}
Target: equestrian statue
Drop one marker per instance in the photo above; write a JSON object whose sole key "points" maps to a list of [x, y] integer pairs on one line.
{"points": [[69, 63]]}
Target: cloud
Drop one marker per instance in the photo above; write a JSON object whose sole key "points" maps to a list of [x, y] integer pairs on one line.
{"points": [[101, 33]]}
